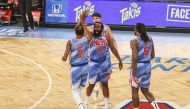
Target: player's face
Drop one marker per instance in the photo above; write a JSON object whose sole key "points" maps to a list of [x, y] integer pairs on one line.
{"points": [[97, 29], [96, 19]]}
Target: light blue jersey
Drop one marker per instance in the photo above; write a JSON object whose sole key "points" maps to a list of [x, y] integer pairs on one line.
{"points": [[144, 50], [99, 70], [79, 62], [98, 49], [143, 64], [108, 59], [79, 52]]}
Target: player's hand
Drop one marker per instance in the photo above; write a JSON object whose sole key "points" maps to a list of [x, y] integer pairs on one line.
{"points": [[136, 79], [120, 65], [86, 12], [83, 15]]}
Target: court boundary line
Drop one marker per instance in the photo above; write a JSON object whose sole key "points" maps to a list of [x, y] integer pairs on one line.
{"points": [[43, 69]]}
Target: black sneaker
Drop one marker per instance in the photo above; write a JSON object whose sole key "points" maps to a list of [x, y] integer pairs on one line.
{"points": [[33, 28], [25, 30]]}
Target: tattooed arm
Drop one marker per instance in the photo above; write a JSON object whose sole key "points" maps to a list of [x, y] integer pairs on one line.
{"points": [[134, 46]]}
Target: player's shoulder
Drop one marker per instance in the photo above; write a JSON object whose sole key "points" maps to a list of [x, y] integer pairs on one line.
{"points": [[134, 41], [70, 41]]}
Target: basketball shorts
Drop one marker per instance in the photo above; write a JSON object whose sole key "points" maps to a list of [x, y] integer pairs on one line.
{"points": [[143, 74]]}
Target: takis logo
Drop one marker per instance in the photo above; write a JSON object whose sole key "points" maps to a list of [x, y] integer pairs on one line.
{"points": [[87, 5], [130, 12]]}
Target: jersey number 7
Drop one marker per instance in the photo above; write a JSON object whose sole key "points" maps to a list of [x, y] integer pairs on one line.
{"points": [[80, 53]]}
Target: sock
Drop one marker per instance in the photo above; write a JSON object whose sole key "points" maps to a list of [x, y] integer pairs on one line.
{"points": [[76, 96], [155, 105], [81, 94], [97, 88], [135, 108], [106, 101]]}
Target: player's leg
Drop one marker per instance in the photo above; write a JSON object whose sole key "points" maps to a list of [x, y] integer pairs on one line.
{"points": [[105, 89], [135, 86], [135, 97], [104, 77], [77, 95], [96, 91], [145, 84], [150, 97], [92, 82], [76, 85], [99, 87]]}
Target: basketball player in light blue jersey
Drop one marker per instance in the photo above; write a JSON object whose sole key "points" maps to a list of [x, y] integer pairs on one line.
{"points": [[142, 52], [98, 64], [77, 48], [106, 30]]}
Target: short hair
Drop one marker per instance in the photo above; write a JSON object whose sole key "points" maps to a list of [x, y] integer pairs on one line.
{"points": [[79, 29], [96, 14]]}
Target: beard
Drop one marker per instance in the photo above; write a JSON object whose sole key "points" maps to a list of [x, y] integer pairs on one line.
{"points": [[97, 33]]}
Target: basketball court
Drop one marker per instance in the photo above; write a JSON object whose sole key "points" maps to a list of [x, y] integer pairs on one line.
{"points": [[33, 75]]}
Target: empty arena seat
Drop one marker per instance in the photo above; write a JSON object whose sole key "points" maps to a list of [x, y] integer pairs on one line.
{"points": [[6, 10]]}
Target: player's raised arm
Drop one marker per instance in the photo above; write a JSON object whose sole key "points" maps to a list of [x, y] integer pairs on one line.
{"points": [[82, 20], [67, 51]]}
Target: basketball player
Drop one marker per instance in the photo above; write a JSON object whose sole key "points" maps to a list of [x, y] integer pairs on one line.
{"points": [[77, 48], [142, 52], [98, 64], [96, 17]]}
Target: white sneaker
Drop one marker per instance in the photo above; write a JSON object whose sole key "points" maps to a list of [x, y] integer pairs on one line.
{"points": [[86, 105], [95, 94], [81, 106], [155, 105], [102, 103]]}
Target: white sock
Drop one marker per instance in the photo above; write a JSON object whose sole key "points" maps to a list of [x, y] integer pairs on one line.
{"points": [[96, 88], [155, 105], [106, 101], [77, 95], [81, 95], [135, 108]]}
